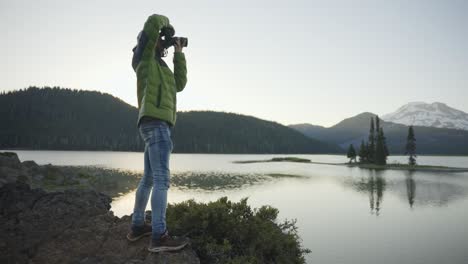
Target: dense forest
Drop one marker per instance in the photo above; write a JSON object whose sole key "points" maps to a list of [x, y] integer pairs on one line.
{"points": [[67, 119]]}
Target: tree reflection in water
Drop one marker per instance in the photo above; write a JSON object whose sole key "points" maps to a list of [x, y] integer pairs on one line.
{"points": [[374, 185], [432, 189], [410, 188]]}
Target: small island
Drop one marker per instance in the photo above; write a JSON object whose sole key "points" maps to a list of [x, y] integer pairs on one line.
{"points": [[373, 154], [362, 165]]}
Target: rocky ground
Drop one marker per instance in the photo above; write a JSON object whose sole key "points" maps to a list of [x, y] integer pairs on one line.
{"points": [[69, 226], [58, 178]]}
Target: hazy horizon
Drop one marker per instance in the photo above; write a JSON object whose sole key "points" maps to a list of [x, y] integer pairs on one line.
{"points": [[315, 62]]}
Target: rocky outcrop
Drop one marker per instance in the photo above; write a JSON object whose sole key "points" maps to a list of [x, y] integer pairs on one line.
{"points": [[59, 178], [11, 169], [72, 226]]}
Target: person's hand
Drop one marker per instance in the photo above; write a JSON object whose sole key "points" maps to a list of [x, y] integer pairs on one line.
{"points": [[177, 46]]}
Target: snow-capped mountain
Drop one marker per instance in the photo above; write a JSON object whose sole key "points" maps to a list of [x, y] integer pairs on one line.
{"points": [[431, 115]]}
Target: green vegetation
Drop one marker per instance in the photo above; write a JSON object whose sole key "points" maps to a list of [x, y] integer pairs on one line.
{"points": [[229, 232], [222, 180], [282, 175], [351, 154], [57, 118], [411, 146], [117, 182], [279, 159], [381, 150], [291, 159], [376, 150], [109, 181], [214, 180]]}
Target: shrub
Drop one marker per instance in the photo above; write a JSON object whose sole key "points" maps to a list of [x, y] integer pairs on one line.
{"points": [[227, 232]]}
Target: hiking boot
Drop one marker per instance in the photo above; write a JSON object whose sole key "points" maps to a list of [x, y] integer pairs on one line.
{"points": [[167, 243], [137, 232]]}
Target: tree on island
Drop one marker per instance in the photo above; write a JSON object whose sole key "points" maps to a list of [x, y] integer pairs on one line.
{"points": [[377, 128], [351, 153], [380, 150], [375, 150], [411, 147], [363, 152], [371, 148]]}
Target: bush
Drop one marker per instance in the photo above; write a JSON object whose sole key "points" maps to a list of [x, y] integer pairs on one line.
{"points": [[229, 232]]}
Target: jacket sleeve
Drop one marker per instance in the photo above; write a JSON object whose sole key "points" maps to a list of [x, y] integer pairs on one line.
{"points": [[180, 71], [147, 39]]}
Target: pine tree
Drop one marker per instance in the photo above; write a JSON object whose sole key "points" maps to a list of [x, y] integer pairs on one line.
{"points": [[363, 152], [387, 153], [377, 125], [351, 153], [371, 144], [380, 157], [411, 146], [377, 129]]}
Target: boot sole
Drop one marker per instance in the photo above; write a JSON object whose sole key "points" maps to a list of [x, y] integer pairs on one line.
{"points": [[133, 239], [165, 248]]}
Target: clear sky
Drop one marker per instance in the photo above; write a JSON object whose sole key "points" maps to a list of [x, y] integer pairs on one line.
{"points": [[288, 61]]}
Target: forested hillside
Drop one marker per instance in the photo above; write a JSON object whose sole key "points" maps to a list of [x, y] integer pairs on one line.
{"points": [[66, 119], [56, 118]]}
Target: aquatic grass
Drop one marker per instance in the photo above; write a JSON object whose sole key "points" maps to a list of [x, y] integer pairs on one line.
{"points": [[214, 180], [117, 182], [291, 159], [277, 159], [282, 175], [113, 182], [223, 180]]}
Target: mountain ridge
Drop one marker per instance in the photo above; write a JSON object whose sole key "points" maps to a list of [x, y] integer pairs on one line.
{"points": [[430, 140], [434, 114]]}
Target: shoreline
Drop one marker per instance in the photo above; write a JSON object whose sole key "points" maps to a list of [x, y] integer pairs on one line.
{"points": [[369, 166], [210, 153], [69, 209]]}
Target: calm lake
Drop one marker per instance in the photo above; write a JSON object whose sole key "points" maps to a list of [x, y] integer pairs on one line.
{"points": [[344, 215]]}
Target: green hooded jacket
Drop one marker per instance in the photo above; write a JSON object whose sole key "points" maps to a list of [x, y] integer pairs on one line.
{"points": [[157, 85]]}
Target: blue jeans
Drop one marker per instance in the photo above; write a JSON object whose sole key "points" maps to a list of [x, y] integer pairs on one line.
{"points": [[158, 146]]}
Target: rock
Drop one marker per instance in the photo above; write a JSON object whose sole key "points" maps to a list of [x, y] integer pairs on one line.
{"points": [[11, 175], [73, 226], [30, 164], [11, 169], [9, 159]]}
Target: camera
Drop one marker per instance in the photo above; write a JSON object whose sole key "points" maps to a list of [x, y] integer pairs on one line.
{"points": [[169, 39]]}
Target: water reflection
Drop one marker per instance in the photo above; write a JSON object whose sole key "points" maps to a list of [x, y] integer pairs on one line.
{"points": [[376, 190], [410, 188], [423, 192], [374, 185], [427, 190]]}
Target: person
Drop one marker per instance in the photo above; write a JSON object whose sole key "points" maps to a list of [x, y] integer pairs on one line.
{"points": [[157, 87]]}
